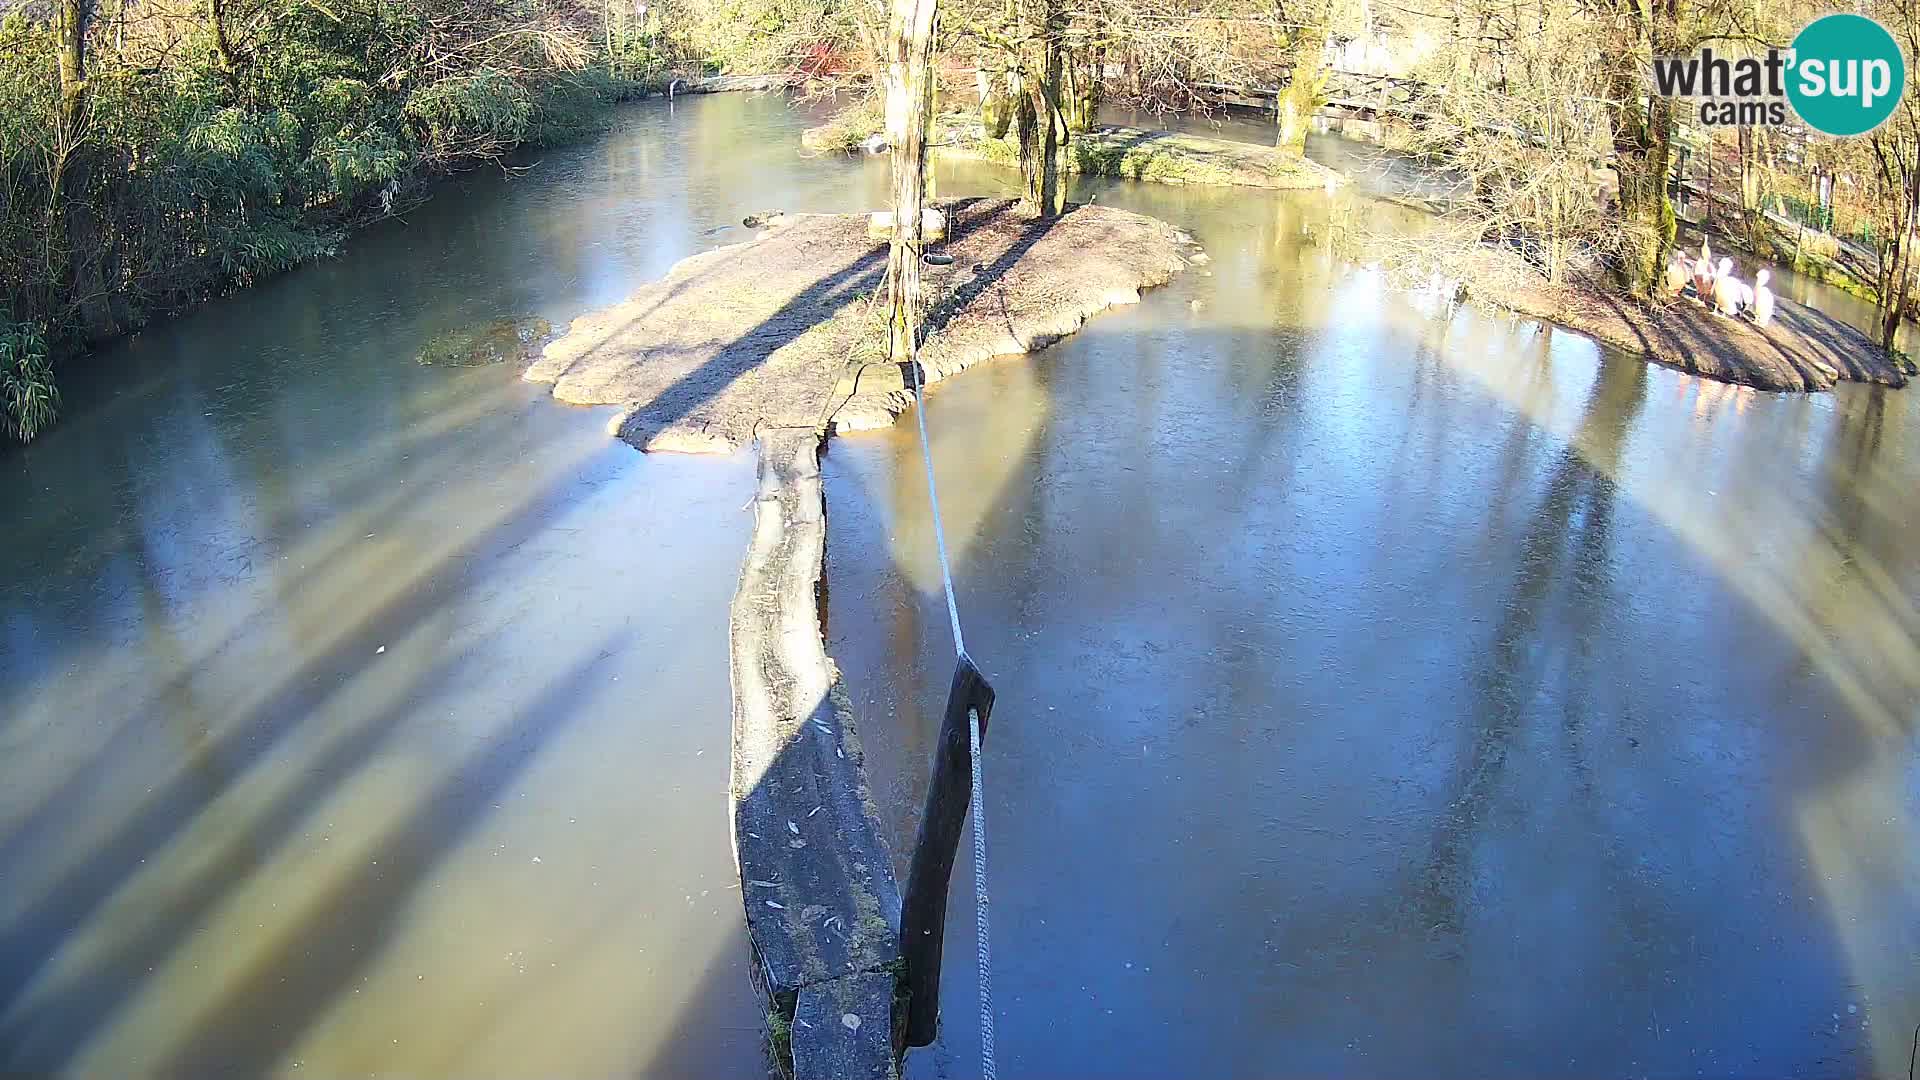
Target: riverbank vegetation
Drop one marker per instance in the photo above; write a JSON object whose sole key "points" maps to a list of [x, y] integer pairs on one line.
{"points": [[154, 153]]}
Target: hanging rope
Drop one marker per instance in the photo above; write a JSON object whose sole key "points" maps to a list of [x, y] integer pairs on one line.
{"points": [[933, 506], [984, 958]]}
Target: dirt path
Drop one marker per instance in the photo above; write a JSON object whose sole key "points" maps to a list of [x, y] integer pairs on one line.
{"points": [[760, 334]]}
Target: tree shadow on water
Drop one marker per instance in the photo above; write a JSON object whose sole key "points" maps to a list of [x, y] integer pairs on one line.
{"points": [[287, 989], [31, 940], [52, 1030]]}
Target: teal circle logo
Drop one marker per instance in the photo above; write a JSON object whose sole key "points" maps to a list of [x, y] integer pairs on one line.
{"points": [[1847, 75]]}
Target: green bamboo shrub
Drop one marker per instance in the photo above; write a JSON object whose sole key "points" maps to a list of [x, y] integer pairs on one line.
{"points": [[29, 400]]}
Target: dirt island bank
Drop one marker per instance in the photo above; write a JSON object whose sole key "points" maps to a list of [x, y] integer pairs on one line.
{"points": [[759, 334], [1802, 350]]}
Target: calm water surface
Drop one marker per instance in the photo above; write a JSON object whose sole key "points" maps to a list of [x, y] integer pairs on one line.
{"points": [[1387, 692], [1384, 692], [360, 716]]}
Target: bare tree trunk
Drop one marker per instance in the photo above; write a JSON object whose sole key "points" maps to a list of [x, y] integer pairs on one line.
{"points": [[222, 46], [909, 103], [1642, 149], [996, 102], [1082, 101], [1642, 157], [1039, 118], [1754, 168], [1302, 94], [1893, 281], [70, 47], [1897, 262], [73, 247]]}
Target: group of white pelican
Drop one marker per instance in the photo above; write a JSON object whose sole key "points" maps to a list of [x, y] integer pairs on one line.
{"points": [[1718, 288]]}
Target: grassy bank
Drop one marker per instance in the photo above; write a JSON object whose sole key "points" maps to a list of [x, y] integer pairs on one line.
{"points": [[206, 147], [1811, 254]]}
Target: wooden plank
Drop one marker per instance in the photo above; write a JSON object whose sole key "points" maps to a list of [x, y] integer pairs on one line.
{"points": [[923, 918]]}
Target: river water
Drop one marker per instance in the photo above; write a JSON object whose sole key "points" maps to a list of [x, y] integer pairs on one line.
{"points": [[357, 715], [1387, 691], [1384, 692]]}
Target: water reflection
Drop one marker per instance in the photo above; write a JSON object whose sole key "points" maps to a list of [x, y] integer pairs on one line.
{"points": [[360, 716], [1391, 691]]}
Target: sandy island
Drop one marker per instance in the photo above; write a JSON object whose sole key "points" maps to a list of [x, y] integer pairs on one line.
{"points": [[760, 334]]}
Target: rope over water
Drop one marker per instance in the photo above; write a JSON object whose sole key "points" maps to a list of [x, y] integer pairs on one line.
{"points": [[984, 959]]}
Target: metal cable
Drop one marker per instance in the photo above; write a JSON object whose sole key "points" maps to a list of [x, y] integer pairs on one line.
{"points": [[984, 956]]}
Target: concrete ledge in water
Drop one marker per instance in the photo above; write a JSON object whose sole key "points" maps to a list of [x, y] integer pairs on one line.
{"points": [[843, 1030], [822, 905]]}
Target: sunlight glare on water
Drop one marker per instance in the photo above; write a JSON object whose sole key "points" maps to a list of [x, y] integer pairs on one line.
{"points": [[1432, 693]]}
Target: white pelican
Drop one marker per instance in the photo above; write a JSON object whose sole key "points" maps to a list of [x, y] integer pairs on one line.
{"points": [[1726, 289], [1703, 275], [1762, 300], [1679, 272]]}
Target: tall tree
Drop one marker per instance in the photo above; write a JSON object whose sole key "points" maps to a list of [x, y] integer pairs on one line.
{"points": [[1633, 32], [1895, 146], [1306, 77], [909, 104], [1039, 118], [70, 19]]}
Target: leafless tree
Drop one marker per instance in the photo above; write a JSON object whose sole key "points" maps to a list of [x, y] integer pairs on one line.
{"points": [[909, 105]]}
